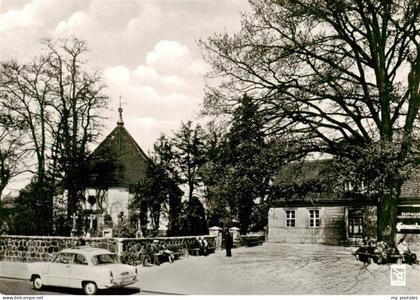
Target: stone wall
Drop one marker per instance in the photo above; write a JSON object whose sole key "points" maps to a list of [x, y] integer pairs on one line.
{"points": [[39, 248], [169, 242]]}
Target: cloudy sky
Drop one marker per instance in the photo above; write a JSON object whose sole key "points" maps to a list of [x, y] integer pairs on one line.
{"points": [[146, 49]]}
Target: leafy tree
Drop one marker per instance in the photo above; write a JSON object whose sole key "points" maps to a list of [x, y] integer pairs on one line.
{"points": [[213, 174], [25, 216], [164, 156], [189, 155], [150, 195], [341, 77], [193, 220], [240, 167], [124, 228], [159, 190], [245, 159]]}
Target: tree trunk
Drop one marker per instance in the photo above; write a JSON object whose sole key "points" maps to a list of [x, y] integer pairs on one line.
{"points": [[387, 213], [245, 213], [174, 212], [71, 202], [190, 189]]}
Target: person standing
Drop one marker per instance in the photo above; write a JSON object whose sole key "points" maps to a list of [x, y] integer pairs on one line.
{"points": [[228, 243]]}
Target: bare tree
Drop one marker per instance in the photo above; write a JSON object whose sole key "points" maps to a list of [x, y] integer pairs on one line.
{"points": [[79, 98], [58, 100], [26, 90], [12, 149], [341, 76]]}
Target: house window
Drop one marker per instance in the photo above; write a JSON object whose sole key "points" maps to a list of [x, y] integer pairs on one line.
{"points": [[314, 220], [348, 187], [358, 186], [290, 218], [355, 223]]}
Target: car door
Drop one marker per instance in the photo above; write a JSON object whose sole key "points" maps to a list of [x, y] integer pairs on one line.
{"points": [[79, 270], [59, 270]]}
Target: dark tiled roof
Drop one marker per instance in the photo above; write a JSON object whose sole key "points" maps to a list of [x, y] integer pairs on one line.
{"points": [[302, 172], [314, 183], [120, 157]]}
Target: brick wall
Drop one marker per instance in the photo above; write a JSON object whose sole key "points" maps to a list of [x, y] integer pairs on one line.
{"points": [[40, 248]]}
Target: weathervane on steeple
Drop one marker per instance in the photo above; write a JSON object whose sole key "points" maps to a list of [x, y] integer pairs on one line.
{"points": [[120, 119]]}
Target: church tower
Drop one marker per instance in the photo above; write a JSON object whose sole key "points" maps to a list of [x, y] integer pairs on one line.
{"points": [[116, 164]]}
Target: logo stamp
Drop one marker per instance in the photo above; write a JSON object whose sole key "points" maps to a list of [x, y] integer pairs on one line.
{"points": [[398, 277]]}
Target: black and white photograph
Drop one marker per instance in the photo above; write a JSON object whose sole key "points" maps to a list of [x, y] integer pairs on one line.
{"points": [[210, 147]]}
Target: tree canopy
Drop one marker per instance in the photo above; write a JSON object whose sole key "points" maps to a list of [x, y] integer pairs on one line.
{"points": [[339, 76]]}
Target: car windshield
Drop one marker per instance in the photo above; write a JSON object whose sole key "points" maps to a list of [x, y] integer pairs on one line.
{"points": [[104, 259]]}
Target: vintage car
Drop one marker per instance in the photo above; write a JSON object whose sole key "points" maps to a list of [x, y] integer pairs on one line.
{"points": [[84, 267]]}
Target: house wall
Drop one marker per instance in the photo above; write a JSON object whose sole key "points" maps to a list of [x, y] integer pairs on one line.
{"points": [[118, 200], [332, 229]]}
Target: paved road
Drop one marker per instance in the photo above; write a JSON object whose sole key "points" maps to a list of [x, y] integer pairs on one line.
{"points": [[24, 287]]}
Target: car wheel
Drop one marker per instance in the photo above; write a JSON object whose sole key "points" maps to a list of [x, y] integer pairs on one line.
{"points": [[37, 283], [90, 288]]}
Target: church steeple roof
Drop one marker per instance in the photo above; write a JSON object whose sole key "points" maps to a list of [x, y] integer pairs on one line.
{"points": [[122, 159], [120, 121]]}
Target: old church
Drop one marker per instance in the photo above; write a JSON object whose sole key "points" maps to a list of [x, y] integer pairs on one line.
{"points": [[116, 164]]}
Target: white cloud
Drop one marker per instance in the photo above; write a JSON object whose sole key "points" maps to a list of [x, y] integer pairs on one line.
{"points": [[149, 92], [148, 75], [144, 71], [146, 130], [147, 49], [14, 19], [167, 55], [72, 24], [118, 76]]}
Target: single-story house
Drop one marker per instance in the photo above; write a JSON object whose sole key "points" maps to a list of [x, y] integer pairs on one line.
{"points": [[307, 210]]}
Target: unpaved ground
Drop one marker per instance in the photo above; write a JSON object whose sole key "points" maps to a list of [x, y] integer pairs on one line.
{"points": [[278, 269], [268, 269]]}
